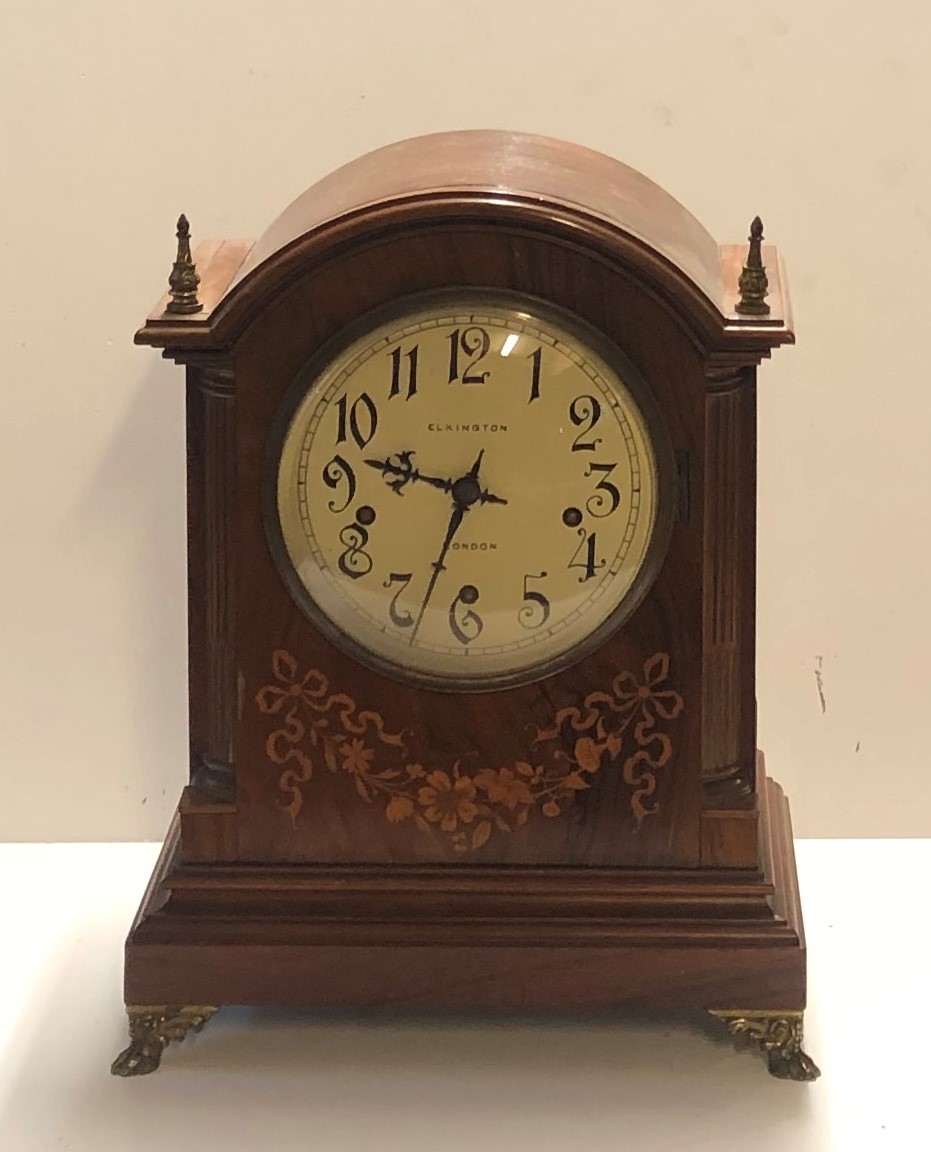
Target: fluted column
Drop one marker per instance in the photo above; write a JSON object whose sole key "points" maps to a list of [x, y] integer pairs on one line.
{"points": [[211, 613], [729, 707]]}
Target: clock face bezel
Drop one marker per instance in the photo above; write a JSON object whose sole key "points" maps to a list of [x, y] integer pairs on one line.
{"points": [[465, 299]]}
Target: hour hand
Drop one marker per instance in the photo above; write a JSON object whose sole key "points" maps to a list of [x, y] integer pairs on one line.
{"points": [[399, 471]]}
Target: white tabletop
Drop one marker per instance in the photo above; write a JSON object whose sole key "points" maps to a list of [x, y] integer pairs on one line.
{"points": [[276, 1081]]}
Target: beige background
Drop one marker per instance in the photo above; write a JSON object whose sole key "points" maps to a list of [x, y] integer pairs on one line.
{"points": [[116, 116]]}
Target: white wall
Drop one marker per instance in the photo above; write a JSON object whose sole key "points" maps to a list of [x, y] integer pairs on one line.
{"points": [[116, 116]]}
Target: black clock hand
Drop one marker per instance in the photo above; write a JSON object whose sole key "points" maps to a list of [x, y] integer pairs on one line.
{"points": [[465, 492], [400, 465], [438, 566]]}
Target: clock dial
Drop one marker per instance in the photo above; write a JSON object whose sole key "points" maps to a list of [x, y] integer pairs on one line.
{"points": [[467, 495]]}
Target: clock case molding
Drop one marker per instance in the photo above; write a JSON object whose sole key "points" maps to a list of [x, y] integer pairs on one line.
{"points": [[692, 905]]}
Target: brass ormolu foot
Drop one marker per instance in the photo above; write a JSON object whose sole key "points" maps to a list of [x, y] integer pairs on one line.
{"points": [[779, 1035], [151, 1029]]}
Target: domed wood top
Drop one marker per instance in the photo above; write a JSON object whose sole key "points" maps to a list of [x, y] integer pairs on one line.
{"points": [[513, 164]]}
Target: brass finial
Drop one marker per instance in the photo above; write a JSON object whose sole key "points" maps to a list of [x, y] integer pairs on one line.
{"points": [[753, 283], [183, 280]]}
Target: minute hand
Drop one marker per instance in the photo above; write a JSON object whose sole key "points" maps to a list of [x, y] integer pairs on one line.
{"points": [[465, 492], [438, 566]]}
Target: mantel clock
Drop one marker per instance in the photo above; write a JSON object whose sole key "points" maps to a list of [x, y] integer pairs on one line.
{"points": [[471, 567]]}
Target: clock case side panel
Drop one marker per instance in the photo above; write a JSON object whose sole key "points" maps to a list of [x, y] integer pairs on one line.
{"points": [[292, 808], [207, 810], [730, 820]]}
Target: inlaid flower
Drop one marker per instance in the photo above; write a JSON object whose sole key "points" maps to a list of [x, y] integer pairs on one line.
{"points": [[357, 759], [447, 800], [504, 786], [588, 753]]}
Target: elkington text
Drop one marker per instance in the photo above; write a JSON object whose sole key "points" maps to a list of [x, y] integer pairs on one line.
{"points": [[467, 427]]}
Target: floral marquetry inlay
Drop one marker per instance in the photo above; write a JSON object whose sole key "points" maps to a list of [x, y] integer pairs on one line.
{"points": [[318, 728]]}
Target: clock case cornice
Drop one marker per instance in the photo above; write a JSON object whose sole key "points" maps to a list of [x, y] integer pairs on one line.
{"points": [[488, 180]]}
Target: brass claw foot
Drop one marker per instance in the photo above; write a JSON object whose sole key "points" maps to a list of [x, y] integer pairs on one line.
{"points": [[779, 1035], [151, 1030]]}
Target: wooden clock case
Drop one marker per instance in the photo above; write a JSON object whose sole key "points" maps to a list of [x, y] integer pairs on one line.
{"points": [[296, 872]]}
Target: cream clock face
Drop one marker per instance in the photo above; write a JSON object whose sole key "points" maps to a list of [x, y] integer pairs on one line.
{"points": [[467, 495]]}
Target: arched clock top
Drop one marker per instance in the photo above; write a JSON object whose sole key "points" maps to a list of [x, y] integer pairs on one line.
{"points": [[492, 178], [502, 165]]}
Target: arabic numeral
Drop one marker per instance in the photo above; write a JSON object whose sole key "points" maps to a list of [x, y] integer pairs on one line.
{"points": [[475, 343], [606, 497], [402, 619], [585, 412], [411, 358], [355, 562], [537, 358], [536, 609], [465, 626], [589, 564], [338, 472], [361, 420]]}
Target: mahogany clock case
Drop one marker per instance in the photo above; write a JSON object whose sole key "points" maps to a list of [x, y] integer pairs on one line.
{"points": [[662, 874]]}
